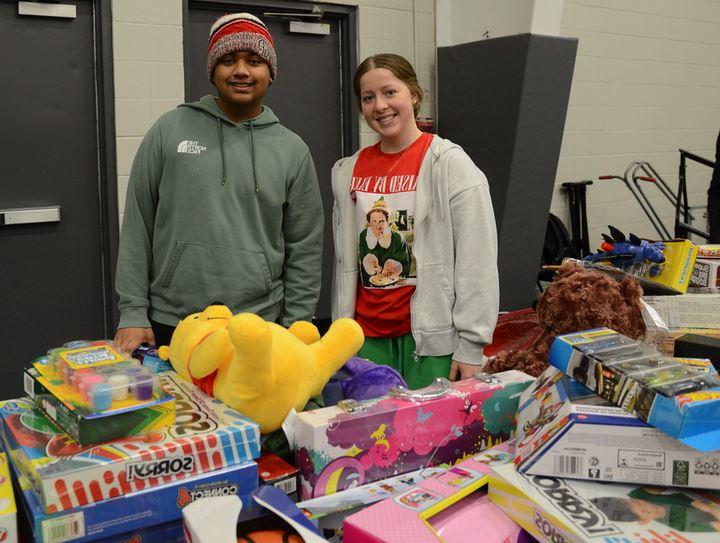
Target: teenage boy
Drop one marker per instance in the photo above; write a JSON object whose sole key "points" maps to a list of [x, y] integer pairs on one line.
{"points": [[223, 203]]}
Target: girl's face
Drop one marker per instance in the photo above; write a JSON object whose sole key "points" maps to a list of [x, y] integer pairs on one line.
{"points": [[387, 105]]}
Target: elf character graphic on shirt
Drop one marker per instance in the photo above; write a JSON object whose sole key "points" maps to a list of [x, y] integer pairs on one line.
{"points": [[383, 251]]}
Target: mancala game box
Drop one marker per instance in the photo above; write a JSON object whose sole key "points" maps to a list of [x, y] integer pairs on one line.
{"points": [[389, 436], [207, 435]]}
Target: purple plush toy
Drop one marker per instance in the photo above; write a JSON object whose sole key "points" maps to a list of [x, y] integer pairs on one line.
{"points": [[361, 379]]}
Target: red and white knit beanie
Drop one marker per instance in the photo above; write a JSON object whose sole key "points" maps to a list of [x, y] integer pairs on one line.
{"points": [[240, 32]]}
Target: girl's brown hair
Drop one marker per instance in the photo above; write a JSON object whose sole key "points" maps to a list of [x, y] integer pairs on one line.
{"points": [[399, 67]]}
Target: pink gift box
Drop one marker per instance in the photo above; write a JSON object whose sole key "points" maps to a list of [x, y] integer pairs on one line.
{"points": [[388, 436], [449, 507]]}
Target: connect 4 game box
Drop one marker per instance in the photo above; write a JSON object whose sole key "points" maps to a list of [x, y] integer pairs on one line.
{"points": [[133, 512], [207, 435]]}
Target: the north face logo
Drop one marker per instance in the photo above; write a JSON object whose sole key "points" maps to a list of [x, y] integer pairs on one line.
{"points": [[191, 147]]}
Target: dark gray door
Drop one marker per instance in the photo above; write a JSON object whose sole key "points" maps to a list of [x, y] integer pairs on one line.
{"points": [[51, 273], [310, 97]]}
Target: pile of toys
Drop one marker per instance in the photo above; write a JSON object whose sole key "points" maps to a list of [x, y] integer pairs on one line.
{"points": [[105, 449]]}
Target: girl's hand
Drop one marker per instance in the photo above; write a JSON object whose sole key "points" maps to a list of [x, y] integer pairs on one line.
{"points": [[460, 370]]}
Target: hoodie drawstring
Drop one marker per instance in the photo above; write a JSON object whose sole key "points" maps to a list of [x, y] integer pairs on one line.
{"points": [[252, 156], [222, 149]]}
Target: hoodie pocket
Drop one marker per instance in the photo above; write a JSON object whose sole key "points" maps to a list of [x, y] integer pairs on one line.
{"points": [[200, 274], [436, 299]]}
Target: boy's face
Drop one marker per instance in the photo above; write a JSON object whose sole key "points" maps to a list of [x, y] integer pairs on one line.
{"points": [[242, 79], [645, 510]]}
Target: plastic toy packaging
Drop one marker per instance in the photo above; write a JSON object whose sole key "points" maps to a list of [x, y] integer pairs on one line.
{"points": [[677, 395], [98, 376]]}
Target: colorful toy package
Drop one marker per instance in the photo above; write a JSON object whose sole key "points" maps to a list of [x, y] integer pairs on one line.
{"points": [[96, 393], [137, 511], [568, 511], [391, 435], [447, 508], [8, 510], [680, 399], [207, 435], [565, 430]]}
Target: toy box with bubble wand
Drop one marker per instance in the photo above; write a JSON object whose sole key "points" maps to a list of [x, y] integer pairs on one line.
{"points": [[207, 435], [680, 399], [556, 510], [448, 507], [96, 393], [355, 443]]}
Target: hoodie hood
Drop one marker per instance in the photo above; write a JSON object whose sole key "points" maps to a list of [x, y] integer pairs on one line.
{"points": [[208, 104]]}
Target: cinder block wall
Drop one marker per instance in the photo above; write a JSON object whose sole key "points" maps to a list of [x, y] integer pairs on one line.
{"points": [[647, 82], [149, 77]]}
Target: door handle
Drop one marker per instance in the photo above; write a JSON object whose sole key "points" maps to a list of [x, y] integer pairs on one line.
{"points": [[29, 215]]}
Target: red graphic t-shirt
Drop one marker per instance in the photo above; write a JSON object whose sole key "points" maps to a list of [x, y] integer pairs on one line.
{"points": [[383, 187]]}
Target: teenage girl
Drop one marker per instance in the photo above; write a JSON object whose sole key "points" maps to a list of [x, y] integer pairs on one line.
{"points": [[415, 238]]}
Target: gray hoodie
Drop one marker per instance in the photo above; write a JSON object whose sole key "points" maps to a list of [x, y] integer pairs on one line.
{"points": [[455, 305], [219, 212]]}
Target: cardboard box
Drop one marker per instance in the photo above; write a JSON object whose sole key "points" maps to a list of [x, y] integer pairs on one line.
{"points": [[688, 310], [665, 341], [207, 435], [355, 498], [64, 407], [215, 520], [564, 430], [8, 509], [680, 399], [274, 471], [417, 514], [705, 273], [133, 512], [680, 256], [708, 251], [557, 510], [389, 436]]}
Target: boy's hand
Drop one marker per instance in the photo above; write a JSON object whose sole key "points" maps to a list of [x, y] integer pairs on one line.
{"points": [[129, 339]]}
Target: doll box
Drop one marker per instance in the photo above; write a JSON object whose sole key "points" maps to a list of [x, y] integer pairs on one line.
{"points": [[207, 435], [62, 405], [417, 514], [8, 510], [388, 436], [133, 512], [680, 399], [555, 510], [564, 430]]}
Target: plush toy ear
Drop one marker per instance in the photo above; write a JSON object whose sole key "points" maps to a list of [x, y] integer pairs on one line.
{"points": [[305, 332]]}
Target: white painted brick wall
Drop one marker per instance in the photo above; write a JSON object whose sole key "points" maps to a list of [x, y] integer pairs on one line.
{"points": [[646, 82], [148, 55]]}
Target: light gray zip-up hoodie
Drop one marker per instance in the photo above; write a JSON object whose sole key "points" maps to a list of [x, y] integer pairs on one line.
{"points": [[455, 305]]}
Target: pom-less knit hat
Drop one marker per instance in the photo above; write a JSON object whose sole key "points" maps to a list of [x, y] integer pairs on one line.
{"points": [[240, 32]]}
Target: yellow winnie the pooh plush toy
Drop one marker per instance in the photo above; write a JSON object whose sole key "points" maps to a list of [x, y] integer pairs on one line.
{"points": [[257, 367]]}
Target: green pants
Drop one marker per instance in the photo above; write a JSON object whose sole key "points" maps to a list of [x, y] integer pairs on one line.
{"points": [[399, 353]]}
